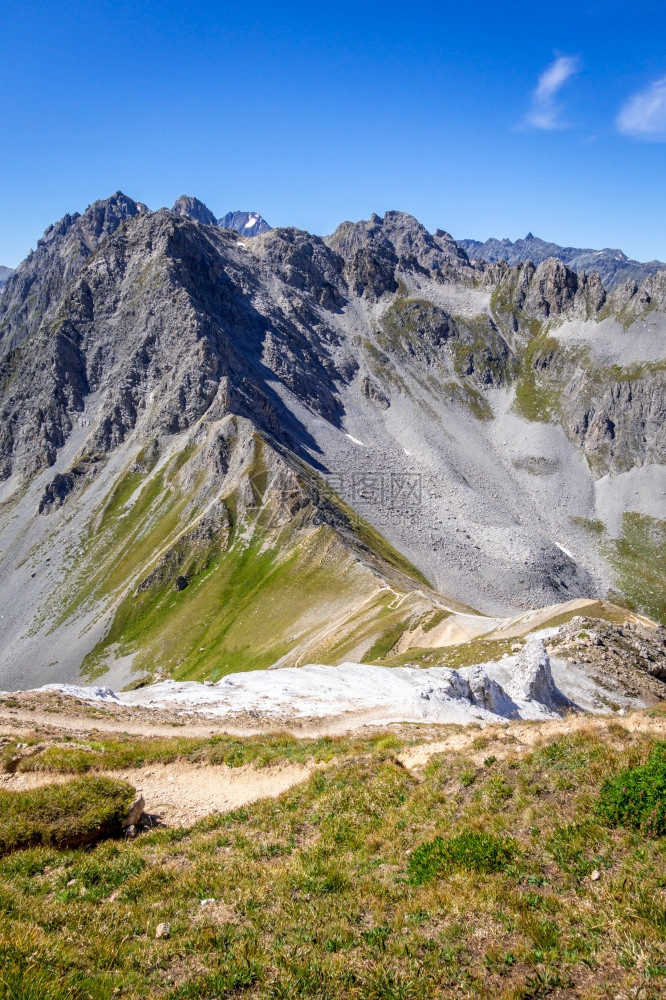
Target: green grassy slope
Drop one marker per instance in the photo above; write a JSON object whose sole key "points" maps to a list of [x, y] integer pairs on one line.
{"points": [[639, 558]]}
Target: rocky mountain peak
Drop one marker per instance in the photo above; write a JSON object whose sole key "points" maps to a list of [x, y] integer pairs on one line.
{"points": [[194, 209], [245, 223], [552, 288], [103, 217], [374, 249], [36, 285], [98, 221]]}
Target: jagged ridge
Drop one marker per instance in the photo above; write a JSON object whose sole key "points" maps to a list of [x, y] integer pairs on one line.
{"points": [[613, 267]]}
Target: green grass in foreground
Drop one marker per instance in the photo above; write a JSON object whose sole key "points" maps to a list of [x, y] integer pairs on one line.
{"points": [[314, 896], [475, 852], [637, 797], [68, 815]]}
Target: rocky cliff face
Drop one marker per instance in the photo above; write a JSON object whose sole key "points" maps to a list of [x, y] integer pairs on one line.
{"points": [[188, 412], [613, 267]]}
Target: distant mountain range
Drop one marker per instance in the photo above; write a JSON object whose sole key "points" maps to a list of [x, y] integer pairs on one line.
{"points": [[612, 266], [246, 223], [5, 272]]}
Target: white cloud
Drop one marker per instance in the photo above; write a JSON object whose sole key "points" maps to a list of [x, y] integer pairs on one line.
{"points": [[644, 114], [545, 110]]}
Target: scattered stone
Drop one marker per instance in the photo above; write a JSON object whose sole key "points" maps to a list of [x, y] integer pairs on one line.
{"points": [[595, 876], [372, 391], [131, 831], [631, 654], [135, 811], [207, 902], [163, 930], [71, 882]]}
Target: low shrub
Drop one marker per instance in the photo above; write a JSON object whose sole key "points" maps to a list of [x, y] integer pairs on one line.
{"points": [[637, 797], [479, 852], [77, 812]]}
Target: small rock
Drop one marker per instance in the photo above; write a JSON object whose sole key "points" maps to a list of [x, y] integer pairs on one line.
{"points": [[135, 810], [206, 902], [71, 882], [163, 930], [131, 831], [595, 876]]}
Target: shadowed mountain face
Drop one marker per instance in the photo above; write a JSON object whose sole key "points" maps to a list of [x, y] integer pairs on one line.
{"points": [[217, 454], [612, 266], [246, 223]]}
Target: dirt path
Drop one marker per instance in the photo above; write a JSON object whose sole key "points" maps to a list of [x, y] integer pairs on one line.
{"points": [[150, 722], [121, 723], [181, 793], [501, 741]]}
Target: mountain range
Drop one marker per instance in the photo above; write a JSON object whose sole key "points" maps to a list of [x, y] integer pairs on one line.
{"points": [[612, 266], [221, 454]]}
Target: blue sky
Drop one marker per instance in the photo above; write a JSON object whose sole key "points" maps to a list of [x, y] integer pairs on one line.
{"points": [[482, 118]]}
